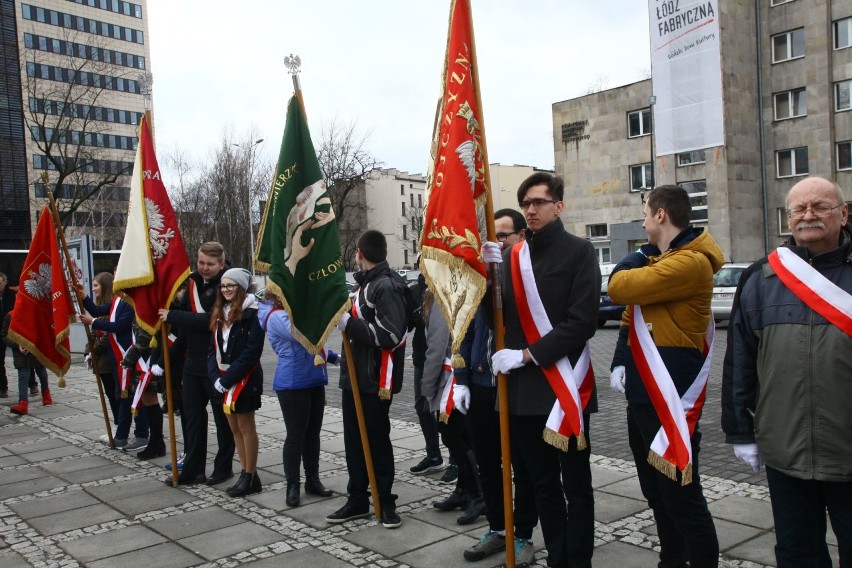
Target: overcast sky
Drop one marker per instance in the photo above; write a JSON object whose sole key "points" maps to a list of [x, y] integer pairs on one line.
{"points": [[219, 64]]}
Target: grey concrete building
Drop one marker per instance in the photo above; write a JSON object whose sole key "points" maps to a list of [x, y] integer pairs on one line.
{"points": [[786, 76]]}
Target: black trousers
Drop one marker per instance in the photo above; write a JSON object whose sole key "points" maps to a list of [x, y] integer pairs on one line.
{"points": [[303, 411], [484, 426], [378, 433], [198, 391], [4, 380], [684, 523], [798, 509]]}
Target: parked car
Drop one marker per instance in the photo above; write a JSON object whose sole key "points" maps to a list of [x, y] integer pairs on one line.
{"points": [[724, 285], [608, 311]]}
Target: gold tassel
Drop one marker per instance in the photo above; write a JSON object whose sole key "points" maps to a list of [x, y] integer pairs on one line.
{"points": [[153, 343], [444, 418], [124, 394], [62, 382], [556, 439], [664, 466], [227, 408], [318, 360], [134, 411], [384, 394], [458, 361]]}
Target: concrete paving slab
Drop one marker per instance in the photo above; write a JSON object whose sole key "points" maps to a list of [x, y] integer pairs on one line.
{"points": [[270, 458], [22, 474], [411, 535], [54, 453], [446, 553], [153, 501], [224, 542], [624, 556], [11, 461], [166, 554], [602, 477], [409, 493], [26, 487], [303, 558], [609, 507], [743, 510], [760, 549], [129, 488], [447, 520], [314, 514], [628, 487], [66, 521], [36, 445], [334, 445], [730, 534], [95, 473], [76, 464], [191, 523], [84, 423], [11, 559], [40, 506], [413, 443], [111, 543]]}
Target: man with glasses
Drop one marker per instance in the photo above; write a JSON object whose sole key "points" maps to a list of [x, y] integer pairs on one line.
{"points": [[787, 379], [549, 318], [659, 364]]}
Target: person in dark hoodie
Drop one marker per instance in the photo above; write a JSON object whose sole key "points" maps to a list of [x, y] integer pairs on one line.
{"points": [[195, 338], [376, 329], [659, 365]]}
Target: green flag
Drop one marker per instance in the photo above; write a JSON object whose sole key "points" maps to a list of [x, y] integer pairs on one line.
{"points": [[298, 242]]}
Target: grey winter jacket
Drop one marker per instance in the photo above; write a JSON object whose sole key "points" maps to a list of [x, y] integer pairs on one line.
{"points": [[437, 349]]}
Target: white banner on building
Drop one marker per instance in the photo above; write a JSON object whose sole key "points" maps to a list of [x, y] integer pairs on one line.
{"points": [[687, 75]]}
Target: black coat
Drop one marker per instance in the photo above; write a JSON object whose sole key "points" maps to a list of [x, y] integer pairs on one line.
{"points": [[568, 279], [245, 345], [194, 338]]}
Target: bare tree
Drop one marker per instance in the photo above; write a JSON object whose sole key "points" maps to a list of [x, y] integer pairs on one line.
{"points": [[65, 81], [599, 84], [345, 164]]}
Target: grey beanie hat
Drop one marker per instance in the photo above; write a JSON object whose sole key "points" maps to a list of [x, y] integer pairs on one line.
{"points": [[239, 275]]}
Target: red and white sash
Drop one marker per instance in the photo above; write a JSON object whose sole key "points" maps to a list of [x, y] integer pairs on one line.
{"points": [[118, 351], [671, 450], [818, 292], [572, 385], [233, 393], [195, 299], [447, 404], [386, 367], [143, 367]]}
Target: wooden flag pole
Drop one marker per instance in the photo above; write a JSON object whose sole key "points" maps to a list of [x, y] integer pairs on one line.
{"points": [[499, 341], [79, 295], [167, 368], [293, 63]]}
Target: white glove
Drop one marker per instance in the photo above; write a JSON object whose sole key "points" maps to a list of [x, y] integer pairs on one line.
{"points": [[491, 252], [88, 360], [218, 386], [341, 323], [157, 371], [507, 359], [616, 379], [461, 398], [750, 455]]}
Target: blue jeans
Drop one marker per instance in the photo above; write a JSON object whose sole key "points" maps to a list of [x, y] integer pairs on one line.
{"points": [[24, 380], [798, 509]]}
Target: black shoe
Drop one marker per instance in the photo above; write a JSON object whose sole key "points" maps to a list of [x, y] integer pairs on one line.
{"points": [[390, 520], [293, 491], [152, 451], [187, 479], [245, 486], [348, 512], [456, 500], [475, 508], [313, 486], [218, 478], [256, 486], [239, 480]]}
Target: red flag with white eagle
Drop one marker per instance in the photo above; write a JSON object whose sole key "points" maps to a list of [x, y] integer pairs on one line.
{"points": [[153, 261], [454, 223], [43, 311]]}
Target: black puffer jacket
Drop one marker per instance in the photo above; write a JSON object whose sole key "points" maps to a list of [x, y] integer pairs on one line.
{"points": [[194, 337]]}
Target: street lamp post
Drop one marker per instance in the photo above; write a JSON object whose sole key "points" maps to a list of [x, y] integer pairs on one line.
{"points": [[652, 100], [252, 146]]}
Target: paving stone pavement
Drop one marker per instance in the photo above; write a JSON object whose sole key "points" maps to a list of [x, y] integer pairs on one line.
{"points": [[68, 500]]}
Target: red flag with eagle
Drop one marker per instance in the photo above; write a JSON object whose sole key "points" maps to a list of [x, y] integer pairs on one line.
{"points": [[43, 308], [153, 261], [454, 223]]}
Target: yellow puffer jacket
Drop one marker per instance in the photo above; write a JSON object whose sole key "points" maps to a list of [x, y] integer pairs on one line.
{"points": [[674, 291]]}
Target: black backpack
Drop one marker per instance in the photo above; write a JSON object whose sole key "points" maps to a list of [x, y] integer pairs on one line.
{"points": [[413, 294]]}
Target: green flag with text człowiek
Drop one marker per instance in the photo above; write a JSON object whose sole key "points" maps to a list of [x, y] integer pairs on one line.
{"points": [[298, 241]]}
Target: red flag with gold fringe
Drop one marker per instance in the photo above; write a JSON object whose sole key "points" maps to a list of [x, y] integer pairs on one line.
{"points": [[454, 223], [43, 310]]}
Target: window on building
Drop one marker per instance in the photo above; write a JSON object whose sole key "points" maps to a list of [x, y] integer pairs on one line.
{"points": [[420, 200], [842, 98], [783, 222], [789, 45], [792, 162], [604, 255], [697, 191], [411, 195], [691, 158], [403, 208], [405, 231], [596, 231], [843, 33], [778, 2], [641, 177], [844, 155], [639, 123], [402, 189], [790, 104]]}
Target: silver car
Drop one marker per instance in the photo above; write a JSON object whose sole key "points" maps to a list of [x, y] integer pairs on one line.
{"points": [[724, 285]]}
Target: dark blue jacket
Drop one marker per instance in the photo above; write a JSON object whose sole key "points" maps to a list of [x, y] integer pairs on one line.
{"points": [[476, 350]]}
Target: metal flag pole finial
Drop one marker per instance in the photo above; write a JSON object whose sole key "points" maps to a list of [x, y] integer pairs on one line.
{"points": [[293, 63], [146, 82]]}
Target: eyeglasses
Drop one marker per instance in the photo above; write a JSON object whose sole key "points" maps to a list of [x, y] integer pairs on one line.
{"points": [[819, 210], [504, 236], [538, 203], [227, 287]]}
